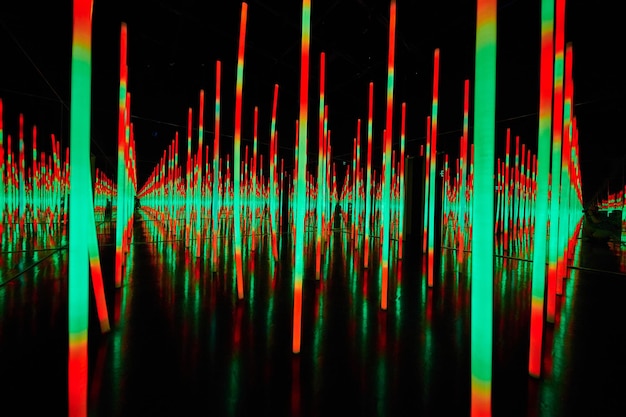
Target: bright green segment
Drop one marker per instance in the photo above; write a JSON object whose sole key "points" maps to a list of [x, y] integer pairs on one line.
{"points": [[483, 201], [301, 155], [80, 174]]}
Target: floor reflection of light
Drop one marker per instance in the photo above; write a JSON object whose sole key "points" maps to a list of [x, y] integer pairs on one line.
{"points": [[235, 380]]}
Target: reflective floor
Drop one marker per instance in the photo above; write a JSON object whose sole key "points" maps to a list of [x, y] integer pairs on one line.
{"points": [[181, 343]]}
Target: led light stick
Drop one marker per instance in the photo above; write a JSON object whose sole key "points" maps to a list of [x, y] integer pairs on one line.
{"points": [[463, 166], [121, 143], [368, 184], [198, 187], [237, 151], [401, 197], [301, 178], [386, 191], [78, 273], [433, 172], [483, 210], [564, 224], [541, 201], [321, 138], [2, 171], [215, 204], [426, 201], [189, 184], [557, 131], [273, 180]]}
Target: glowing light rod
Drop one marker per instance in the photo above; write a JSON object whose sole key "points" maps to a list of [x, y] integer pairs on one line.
{"points": [[386, 191], [237, 151], [320, 172], [433, 171], [368, 184], [483, 210], [121, 144], [301, 175], [80, 202], [557, 134]]}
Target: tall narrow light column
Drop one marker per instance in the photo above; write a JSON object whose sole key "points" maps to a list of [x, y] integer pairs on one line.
{"points": [[483, 209], [80, 173]]}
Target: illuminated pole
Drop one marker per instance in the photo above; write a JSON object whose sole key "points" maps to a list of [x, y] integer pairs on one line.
{"points": [[507, 189], [426, 197], [565, 180], [237, 151], [483, 211], [78, 273], [368, 184], [557, 131], [463, 163], [2, 170], [22, 169], [386, 191], [433, 172], [215, 204], [35, 184], [121, 143], [189, 182], [301, 179], [321, 137], [273, 180], [401, 202], [198, 190], [541, 199]]}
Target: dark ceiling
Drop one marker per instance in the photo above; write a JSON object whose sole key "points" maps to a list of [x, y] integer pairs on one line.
{"points": [[174, 46]]}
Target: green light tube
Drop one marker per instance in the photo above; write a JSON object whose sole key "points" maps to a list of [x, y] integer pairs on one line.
{"points": [[121, 143], [402, 197], [198, 188], [320, 171], [557, 133], [368, 184], [481, 322], [237, 151], [301, 157], [386, 191], [433, 171], [80, 173], [215, 204], [2, 171]]}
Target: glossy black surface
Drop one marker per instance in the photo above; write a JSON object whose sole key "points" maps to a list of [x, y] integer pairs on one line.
{"points": [[181, 343]]}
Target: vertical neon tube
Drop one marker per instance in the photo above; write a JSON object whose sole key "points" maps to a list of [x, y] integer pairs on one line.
{"points": [[2, 170], [198, 190], [368, 184], [401, 208], [254, 149], [78, 273], [320, 171], [541, 199], [507, 189], [426, 204], [386, 191], [215, 204], [433, 171], [21, 172], [557, 132], [301, 179], [237, 151], [121, 143], [463, 164], [483, 211], [189, 182], [565, 180], [273, 179]]}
